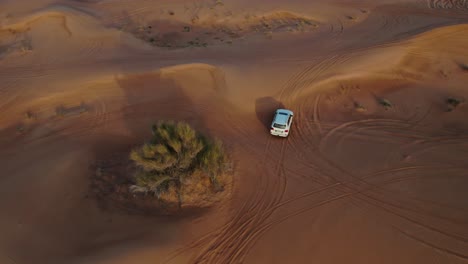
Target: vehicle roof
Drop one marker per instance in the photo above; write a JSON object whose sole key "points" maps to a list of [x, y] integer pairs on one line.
{"points": [[282, 116]]}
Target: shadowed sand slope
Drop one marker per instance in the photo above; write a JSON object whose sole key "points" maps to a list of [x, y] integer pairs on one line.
{"points": [[374, 170]]}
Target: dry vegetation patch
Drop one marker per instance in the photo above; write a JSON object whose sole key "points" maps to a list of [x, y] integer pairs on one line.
{"points": [[173, 33], [452, 103], [464, 66], [14, 42], [62, 110], [385, 103]]}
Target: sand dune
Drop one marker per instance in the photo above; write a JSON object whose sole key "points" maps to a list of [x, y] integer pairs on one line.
{"points": [[374, 170]]}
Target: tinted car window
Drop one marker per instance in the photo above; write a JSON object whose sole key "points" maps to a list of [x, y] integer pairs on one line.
{"points": [[279, 126]]}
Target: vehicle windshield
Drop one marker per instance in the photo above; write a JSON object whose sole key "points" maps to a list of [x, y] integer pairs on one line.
{"points": [[279, 126]]}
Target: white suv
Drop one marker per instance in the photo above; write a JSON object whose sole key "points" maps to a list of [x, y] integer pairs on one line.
{"points": [[281, 124]]}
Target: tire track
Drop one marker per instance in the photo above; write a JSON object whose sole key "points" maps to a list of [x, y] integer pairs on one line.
{"points": [[25, 73], [316, 114], [421, 224], [244, 246], [417, 199], [416, 238], [431, 140], [253, 237], [131, 13], [304, 79], [378, 186], [431, 245], [326, 138], [7, 94], [246, 242], [316, 111], [315, 76], [246, 219], [382, 133], [411, 149], [212, 241], [366, 183], [238, 251], [232, 244], [405, 205], [340, 182], [385, 221], [414, 131], [290, 86], [415, 124], [91, 48], [270, 225]]}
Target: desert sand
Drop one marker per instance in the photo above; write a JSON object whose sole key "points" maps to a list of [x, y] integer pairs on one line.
{"points": [[374, 170]]}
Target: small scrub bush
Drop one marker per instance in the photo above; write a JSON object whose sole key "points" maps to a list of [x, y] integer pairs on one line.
{"points": [[359, 107], [464, 66], [385, 103], [307, 22], [453, 103], [78, 109]]}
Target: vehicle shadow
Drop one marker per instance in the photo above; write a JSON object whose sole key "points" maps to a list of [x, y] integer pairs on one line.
{"points": [[265, 108]]}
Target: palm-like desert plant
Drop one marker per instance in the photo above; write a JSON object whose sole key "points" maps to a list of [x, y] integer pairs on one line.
{"points": [[175, 152]]}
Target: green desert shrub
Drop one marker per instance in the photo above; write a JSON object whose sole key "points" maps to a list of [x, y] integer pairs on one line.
{"points": [[179, 164], [385, 103], [454, 102], [464, 66]]}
